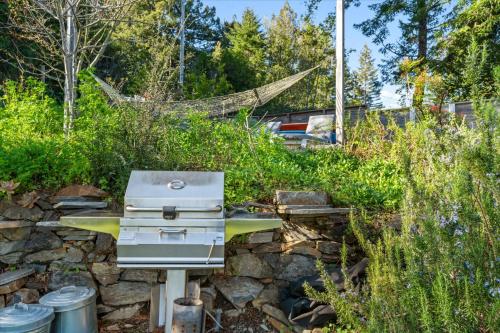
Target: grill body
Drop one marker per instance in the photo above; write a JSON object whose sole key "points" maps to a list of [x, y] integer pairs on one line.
{"points": [[172, 220]]}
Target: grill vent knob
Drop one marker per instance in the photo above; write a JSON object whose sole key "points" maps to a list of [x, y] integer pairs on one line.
{"points": [[176, 184]]}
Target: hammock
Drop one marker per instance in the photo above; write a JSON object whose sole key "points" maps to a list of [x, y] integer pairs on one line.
{"points": [[214, 106]]}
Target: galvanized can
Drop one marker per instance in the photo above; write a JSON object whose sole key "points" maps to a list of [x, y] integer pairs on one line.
{"points": [[187, 316], [75, 309], [26, 318]]}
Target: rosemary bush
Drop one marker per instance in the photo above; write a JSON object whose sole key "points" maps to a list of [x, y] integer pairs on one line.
{"points": [[441, 272]]}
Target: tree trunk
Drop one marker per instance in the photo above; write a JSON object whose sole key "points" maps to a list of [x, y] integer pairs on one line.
{"points": [[422, 19], [69, 68]]}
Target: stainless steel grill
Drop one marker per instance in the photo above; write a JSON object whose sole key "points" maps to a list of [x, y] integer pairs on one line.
{"points": [[173, 219]]}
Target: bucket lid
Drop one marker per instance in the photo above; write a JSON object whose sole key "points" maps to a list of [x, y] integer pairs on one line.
{"points": [[25, 317], [69, 298]]}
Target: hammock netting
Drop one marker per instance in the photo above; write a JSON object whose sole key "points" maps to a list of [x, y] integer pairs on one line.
{"points": [[214, 106]]}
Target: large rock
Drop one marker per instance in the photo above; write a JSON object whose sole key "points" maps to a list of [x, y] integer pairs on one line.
{"points": [[104, 243], [249, 265], [12, 258], [74, 255], [60, 279], [140, 275], [238, 290], [14, 234], [34, 214], [124, 293], [45, 256], [294, 266], [44, 240], [9, 247], [106, 273], [125, 312]]}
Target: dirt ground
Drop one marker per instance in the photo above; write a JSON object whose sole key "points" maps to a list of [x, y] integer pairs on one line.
{"points": [[250, 320]]}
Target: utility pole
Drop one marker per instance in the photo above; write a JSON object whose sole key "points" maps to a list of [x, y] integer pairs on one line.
{"points": [[339, 75], [183, 42]]}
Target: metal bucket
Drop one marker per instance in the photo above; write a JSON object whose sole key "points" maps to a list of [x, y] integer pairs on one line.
{"points": [[75, 309], [26, 318], [187, 316]]}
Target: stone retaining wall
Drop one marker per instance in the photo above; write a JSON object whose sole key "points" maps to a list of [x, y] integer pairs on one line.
{"points": [[257, 265]]}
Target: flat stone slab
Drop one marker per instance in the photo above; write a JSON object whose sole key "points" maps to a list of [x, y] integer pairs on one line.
{"points": [[311, 210], [260, 237], [8, 277], [80, 204], [50, 224], [125, 312], [15, 224], [124, 293], [12, 286], [45, 256], [21, 213], [13, 246], [301, 198]]}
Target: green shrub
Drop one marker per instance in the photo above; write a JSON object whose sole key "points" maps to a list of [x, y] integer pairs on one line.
{"points": [[32, 148], [441, 272], [108, 142]]}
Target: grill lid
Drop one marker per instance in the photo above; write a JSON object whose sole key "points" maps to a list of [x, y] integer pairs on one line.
{"points": [[171, 194], [25, 317], [69, 298]]}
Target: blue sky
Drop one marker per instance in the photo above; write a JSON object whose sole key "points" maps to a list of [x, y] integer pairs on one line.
{"points": [[354, 39]]}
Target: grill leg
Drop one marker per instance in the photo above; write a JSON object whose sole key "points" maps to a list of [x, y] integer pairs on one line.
{"points": [[176, 288]]}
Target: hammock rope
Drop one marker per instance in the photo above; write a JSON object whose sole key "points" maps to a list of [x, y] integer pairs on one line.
{"points": [[214, 106]]}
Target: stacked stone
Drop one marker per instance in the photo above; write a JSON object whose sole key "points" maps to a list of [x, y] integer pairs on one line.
{"points": [[255, 271], [31, 238]]}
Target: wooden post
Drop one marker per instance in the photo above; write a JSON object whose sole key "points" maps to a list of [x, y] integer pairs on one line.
{"points": [[339, 77]]}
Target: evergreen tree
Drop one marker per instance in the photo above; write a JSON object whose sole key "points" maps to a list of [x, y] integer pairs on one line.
{"points": [[282, 50], [315, 48], [244, 60], [368, 85], [420, 23]]}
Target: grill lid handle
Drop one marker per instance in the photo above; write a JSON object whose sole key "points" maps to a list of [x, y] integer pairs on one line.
{"points": [[169, 212]]}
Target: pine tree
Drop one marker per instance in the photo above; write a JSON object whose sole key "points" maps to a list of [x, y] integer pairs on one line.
{"points": [[368, 85], [244, 61]]}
